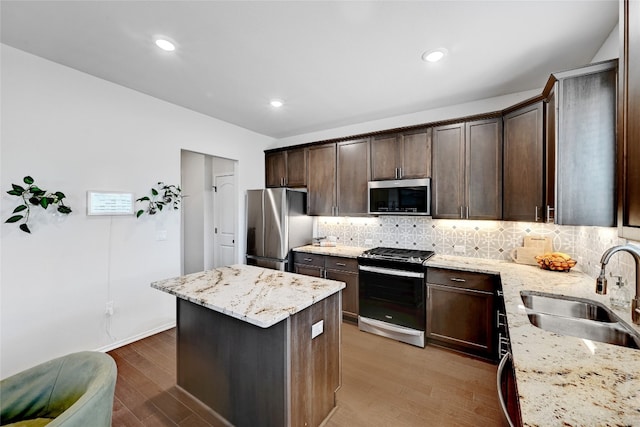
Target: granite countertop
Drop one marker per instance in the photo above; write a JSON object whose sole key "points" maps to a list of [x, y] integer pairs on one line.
{"points": [[562, 380], [343, 251], [259, 296]]}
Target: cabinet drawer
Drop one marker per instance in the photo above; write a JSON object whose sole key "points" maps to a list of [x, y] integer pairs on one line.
{"points": [[462, 279], [308, 259], [340, 263]]}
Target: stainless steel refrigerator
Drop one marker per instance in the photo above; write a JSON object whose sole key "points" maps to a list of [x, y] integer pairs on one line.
{"points": [[276, 223]]}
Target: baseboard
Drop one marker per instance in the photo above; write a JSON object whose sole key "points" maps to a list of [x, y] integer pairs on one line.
{"points": [[135, 338]]}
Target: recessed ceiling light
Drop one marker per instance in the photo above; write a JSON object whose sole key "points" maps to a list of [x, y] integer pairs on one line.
{"points": [[165, 45], [434, 55], [276, 103]]}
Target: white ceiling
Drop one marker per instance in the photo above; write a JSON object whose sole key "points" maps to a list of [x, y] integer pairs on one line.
{"points": [[334, 63]]}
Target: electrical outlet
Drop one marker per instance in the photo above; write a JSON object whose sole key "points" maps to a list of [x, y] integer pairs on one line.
{"points": [[459, 249], [161, 235], [109, 308]]}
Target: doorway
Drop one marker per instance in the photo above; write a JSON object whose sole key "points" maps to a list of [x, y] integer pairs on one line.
{"points": [[209, 217], [224, 220]]}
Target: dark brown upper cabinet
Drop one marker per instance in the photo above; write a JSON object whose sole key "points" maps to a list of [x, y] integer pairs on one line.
{"points": [[321, 180], [583, 178], [628, 123], [523, 179], [404, 155], [286, 168], [467, 170], [353, 175], [337, 180], [275, 168]]}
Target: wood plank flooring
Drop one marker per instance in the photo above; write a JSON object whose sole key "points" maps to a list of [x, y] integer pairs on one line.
{"points": [[384, 383]]}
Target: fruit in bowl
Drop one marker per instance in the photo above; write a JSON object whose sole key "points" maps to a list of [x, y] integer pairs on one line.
{"points": [[556, 261]]}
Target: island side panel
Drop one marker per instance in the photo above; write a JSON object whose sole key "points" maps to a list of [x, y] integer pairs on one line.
{"points": [[315, 363], [234, 367]]}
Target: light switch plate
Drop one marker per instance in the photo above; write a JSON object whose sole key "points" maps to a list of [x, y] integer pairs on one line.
{"points": [[161, 235], [317, 329]]}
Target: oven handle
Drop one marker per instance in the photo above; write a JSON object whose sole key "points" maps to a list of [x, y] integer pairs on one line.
{"points": [[389, 327], [391, 271]]}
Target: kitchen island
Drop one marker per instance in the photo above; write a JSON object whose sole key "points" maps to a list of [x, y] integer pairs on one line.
{"points": [[258, 346]]}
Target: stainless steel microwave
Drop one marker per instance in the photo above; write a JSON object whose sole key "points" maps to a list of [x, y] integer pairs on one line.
{"points": [[400, 197]]}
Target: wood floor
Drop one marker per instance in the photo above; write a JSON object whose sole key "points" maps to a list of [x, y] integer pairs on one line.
{"points": [[384, 383]]}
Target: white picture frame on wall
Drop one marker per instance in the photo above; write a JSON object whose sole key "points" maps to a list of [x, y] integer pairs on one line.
{"points": [[110, 203]]}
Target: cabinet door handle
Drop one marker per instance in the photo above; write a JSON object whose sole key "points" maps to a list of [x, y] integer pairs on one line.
{"points": [[308, 259], [506, 359], [341, 264], [467, 212], [399, 173], [456, 279], [461, 214], [537, 216], [549, 210], [498, 316]]}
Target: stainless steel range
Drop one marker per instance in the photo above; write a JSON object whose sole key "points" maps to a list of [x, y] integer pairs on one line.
{"points": [[392, 293]]}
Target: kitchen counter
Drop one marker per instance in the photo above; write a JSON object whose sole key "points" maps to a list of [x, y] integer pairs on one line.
{"points": [[562, 380], [250, 340], [255, 295], [342, 251]]}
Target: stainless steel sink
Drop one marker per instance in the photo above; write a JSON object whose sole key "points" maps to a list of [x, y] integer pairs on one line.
{"points": [[578, 317], [559, 305]]}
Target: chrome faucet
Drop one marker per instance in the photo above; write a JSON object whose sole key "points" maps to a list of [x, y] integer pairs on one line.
{"points": [[601, 281]]}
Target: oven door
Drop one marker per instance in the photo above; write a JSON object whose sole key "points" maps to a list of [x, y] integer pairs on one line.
{"points": [[392, 296]]}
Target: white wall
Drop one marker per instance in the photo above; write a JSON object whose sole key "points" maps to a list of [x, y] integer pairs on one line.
{"points": [[610, 49], [194, 167], [73, 132]]}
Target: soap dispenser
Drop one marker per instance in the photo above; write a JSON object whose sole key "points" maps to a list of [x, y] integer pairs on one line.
{"points": [[620, 297]]}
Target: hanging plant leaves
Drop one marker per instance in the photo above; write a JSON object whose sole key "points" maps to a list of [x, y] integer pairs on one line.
{"points": [[160, 196], [14, 218], [64, 209], [34, 196]]}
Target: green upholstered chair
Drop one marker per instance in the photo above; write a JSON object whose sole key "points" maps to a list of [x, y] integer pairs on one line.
{"points": [[73, 390]]}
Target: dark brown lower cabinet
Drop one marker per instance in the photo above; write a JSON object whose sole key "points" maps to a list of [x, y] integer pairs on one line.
{"points": [[334, 268], [345, 270], [461, 311]]}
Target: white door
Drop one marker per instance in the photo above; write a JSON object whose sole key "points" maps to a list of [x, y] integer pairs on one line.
{"points": [[224, 222]]}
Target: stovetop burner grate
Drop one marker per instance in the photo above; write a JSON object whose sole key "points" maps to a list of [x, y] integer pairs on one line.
{"points": [[398, 254]]}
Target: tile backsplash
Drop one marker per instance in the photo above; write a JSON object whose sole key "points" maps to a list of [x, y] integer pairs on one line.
{"points": [[479, 239]]}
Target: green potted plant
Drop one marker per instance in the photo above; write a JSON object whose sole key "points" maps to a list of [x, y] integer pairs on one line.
{"points": [[162, 195], [32, 195]]}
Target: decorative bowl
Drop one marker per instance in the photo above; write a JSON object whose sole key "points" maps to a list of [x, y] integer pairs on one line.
{"points": [[556, 261]]}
